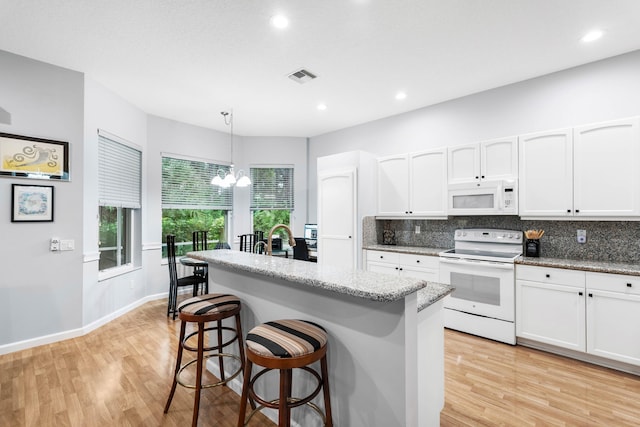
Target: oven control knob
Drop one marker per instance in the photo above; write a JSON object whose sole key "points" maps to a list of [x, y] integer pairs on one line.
{"points": [[510, 236]]}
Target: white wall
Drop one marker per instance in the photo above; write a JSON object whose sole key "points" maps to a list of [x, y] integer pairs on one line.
{"points": [[41, 291], [594, 92], [106, 111]]}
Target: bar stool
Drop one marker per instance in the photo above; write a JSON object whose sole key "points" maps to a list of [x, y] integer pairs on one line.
{"points": [[286, 345], [203, 309]]}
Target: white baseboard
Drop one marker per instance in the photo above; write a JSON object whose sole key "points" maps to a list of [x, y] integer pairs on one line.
{"points": [[73, 333]]}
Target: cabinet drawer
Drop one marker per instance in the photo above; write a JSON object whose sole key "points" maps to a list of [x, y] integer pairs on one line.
{"points": [[558, 276], [614, 283], [423, 261], [382, 256]]}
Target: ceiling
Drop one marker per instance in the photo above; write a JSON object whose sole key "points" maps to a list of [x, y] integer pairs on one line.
{"points": [[188, 60]]}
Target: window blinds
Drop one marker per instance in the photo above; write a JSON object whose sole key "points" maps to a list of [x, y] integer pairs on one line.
{"points": [[272, 188], [119, 173], [186, 184]]}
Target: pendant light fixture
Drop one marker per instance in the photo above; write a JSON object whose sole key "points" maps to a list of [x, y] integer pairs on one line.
{"points": [[223, 179]]}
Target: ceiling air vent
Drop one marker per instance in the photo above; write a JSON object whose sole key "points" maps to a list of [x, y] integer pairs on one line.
{"points": [[302, 76]]}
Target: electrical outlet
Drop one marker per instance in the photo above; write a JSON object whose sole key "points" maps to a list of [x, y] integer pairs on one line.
{"points": [[582, 236], [54, 244], [417, 229]]}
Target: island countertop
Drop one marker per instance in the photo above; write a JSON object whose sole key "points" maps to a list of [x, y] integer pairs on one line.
{"points": [[358, 283]]}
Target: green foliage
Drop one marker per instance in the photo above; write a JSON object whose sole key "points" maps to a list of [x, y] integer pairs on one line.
{"points": [[183, 222], [264, 220]]}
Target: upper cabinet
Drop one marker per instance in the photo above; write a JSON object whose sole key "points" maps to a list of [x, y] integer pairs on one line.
{"points": [[413, 184], [496, 159], [606, 178], [588, 171]]}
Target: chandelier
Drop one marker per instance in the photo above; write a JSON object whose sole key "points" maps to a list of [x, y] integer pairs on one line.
{"points": [[227, 179]]}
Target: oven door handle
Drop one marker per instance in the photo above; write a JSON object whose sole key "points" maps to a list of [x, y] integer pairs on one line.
{"points": [[459, 261]]}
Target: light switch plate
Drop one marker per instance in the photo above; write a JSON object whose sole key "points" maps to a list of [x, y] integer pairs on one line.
{"points": [[54, 244]]}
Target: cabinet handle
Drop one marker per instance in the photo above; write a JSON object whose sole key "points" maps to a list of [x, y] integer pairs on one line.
{"points": [[397, 268], [381, 256], [482, 176], [418, 261], [590, 295], [568, 210], [548, 275], [406, 212], [580, 293], [629, 285], [400, 269], [410, 212], [577, 210], [349, 236], [477, 177]]}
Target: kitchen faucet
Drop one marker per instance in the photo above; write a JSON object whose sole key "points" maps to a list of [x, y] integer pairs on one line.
{"points": [[292, 240]]}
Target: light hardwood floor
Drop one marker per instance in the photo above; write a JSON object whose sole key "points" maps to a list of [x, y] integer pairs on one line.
{"points": [[120, 374]]}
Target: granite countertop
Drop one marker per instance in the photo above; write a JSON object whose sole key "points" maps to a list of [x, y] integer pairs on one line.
{"points": [[571, 264], [414, 250], [357, 283]]}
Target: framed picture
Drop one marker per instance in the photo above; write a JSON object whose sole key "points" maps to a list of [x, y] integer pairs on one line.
{"points": [[26, 157], [31, 203]]}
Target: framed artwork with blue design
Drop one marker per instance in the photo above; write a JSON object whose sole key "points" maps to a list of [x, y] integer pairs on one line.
{"points": [[36, 158], [31, 203]]}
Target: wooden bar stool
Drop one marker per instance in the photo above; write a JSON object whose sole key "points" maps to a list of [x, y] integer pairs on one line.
{"points": [[286, 345], [203, 309]]}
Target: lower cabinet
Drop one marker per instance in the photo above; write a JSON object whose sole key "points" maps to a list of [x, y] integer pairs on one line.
{"points": [[550, 306], [613, 316], [596, 313], [417, 266]]}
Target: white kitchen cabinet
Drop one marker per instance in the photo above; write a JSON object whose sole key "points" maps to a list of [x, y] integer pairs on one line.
{"points": [[496, 159], [587, 172], [345, 196], [412, 185], [546, 174], [408, 265], [606, 177], [613, 316], [550, 306]]}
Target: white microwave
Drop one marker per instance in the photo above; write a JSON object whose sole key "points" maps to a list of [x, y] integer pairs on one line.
{"points": [[483, 198]]}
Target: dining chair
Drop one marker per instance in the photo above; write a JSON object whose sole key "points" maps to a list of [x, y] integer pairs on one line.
{"points": [[300, 250], [200, 240], [248, 241], [175, 282]]}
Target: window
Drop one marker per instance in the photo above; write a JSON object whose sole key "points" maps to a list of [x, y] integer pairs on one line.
{"points": [[119, 193], [190, 203], [271, 197]]}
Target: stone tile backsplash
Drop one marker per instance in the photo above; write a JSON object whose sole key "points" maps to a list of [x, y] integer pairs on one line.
{"points": [[611, 241]]}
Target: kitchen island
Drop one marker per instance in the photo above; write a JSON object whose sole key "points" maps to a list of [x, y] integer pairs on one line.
{"points": [[386, 356]]}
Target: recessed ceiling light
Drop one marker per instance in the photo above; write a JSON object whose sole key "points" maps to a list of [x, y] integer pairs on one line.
{"points": [[592, 36], [279, 21], [401, 95], [322, 107]]}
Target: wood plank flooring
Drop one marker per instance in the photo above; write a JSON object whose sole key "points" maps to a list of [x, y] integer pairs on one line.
{"points": [[495, 384], [120, 374]]}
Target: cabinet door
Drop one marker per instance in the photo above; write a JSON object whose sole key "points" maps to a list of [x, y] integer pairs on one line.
{"points": [[552, 314], [606, 174], [613, 326], [546, 174], [428, 183], [499, 159], [380, 267], [464, 163], [393, 185], [336, 219]]}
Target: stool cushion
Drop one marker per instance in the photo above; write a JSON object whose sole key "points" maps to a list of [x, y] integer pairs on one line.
{"points": [[286, 338], [209, 304]]}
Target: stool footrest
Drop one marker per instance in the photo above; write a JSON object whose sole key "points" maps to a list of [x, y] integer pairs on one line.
{"points": [[216, 384]]}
